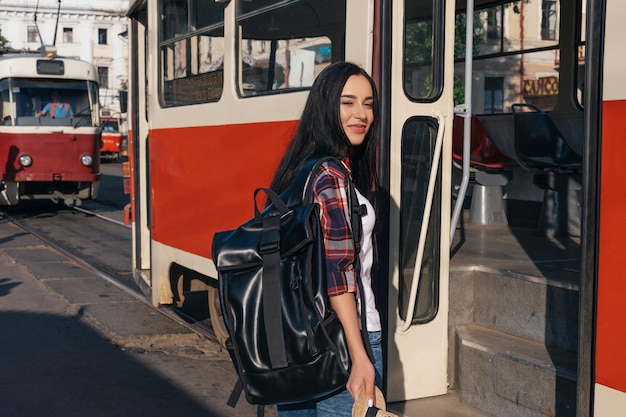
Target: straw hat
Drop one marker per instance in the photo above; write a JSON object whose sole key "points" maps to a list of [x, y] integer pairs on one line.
{"points": [[361, 409]]}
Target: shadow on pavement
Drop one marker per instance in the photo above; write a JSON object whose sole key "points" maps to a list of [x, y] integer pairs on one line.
{"points": [[57, 366]]}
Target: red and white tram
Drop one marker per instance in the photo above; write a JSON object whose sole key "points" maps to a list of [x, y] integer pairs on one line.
{"points": [[113, 135], [45, 156], [502, 140]]}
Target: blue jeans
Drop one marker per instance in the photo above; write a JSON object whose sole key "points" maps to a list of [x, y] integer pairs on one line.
{"points": [[340, 404]]}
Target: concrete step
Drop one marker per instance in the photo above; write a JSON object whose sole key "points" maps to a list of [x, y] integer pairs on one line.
{"points": [[506, 375], [528, 305], [448, 405]]}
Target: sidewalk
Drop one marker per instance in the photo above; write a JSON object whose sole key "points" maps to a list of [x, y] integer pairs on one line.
{"points": [[72, 344]]}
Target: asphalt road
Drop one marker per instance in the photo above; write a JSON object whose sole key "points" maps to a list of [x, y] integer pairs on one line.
{"points": [[73, 344]]}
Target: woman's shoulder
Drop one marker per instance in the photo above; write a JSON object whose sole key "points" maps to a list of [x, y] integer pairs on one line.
{"points": [[333, 168], [330, 174]]}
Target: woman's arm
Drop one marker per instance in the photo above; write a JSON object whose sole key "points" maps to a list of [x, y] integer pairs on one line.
{"points": [[330, 193], [362, 371]]}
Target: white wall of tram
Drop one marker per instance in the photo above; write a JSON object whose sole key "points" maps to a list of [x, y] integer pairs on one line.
{"points": [[614, 51], [232, 109], [26, 66], [609, 402]]}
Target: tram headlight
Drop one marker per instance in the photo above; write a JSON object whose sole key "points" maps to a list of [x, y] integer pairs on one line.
{"points": [[86, 160], [26, 160]]}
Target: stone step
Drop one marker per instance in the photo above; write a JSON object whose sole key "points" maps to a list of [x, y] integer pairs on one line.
{"points": [[448, 405], [531, 306], [505, 375]]}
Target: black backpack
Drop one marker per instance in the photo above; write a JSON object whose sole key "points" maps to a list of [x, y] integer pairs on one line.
{"points": [[286, 343]]}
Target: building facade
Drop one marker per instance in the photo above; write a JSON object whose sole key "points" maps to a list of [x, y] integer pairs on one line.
{"points": [[94, 31]]}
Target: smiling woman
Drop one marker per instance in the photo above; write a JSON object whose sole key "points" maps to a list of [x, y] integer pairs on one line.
{"points": [[340, 120]]}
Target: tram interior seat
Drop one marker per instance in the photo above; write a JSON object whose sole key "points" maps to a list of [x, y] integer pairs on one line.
{"points": [[491, 170], [533, 139], [539, 144], [27, 121]]}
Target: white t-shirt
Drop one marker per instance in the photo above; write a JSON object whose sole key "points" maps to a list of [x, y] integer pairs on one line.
{"points": [[367, 259]]}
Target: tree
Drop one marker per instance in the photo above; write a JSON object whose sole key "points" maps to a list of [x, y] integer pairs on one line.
{"points": [[419, 48], [4, 42]]}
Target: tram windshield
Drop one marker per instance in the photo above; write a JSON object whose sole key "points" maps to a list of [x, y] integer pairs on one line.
{"points": [[28, 102], [110, 126]]}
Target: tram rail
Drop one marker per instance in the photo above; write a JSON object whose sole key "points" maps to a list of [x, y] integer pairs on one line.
{"points": [[174, 314]]}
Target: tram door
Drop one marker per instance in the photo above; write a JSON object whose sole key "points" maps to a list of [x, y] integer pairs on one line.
{"points": [[419, 184], [138, 145]]}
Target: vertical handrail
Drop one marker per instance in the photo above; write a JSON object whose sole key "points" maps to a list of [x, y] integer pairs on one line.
{"points": [[465, 110], [404, 327]]}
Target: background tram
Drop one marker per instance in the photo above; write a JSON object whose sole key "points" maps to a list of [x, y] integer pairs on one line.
{"points": [[113, 135], [45, 157], [500, 153]]}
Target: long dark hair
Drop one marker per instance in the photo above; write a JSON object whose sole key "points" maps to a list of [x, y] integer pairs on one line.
{"points": [[320, 133]]}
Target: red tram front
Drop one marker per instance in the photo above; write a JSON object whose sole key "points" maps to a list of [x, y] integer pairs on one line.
{"points": [[112, 136], [50, 136]]}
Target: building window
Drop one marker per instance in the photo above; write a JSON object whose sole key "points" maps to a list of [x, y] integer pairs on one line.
{"points": [[68, 35], [548, 20], [102, 36], [494, 94], [33, 36], [494, 23], [103, 76]]}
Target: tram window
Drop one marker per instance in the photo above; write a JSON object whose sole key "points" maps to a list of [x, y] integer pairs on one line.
{"points": [[580, 68], [418, 143], [284, 46], [516, 56], [31, 96], [174, 15], [192, 49], [179, 17], [110, 126], [5, 108], [423, 50]]}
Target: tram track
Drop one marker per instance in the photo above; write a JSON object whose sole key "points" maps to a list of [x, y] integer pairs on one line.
{"points": [[98, 271], [103, 217]]}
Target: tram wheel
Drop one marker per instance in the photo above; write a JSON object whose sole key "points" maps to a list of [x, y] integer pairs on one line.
{"points": [[217, 319]]}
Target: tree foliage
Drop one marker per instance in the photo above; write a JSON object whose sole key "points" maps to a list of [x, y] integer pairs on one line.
{"points": [[4, 42]]}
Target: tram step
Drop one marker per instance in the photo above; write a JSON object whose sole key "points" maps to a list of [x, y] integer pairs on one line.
{"points": [[448, 405], [505, 375], [525, 305]]}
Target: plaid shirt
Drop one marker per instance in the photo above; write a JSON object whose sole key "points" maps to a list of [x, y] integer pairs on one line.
{"points": [[329, 190]]}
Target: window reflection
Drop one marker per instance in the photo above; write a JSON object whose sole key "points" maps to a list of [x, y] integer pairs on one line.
{"points": [[192, 51], [418, 142], [285, 46]]}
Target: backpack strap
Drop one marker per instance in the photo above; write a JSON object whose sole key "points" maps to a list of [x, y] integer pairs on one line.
{"points": [[52, 110], [272, 306], [236, 393], [356, 211]]}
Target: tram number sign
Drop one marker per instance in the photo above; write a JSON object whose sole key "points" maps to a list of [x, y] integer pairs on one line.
{"points": [[50, 67]]}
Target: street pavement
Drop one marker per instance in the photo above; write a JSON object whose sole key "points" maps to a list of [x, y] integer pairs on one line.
{"points": [[72, 344]]}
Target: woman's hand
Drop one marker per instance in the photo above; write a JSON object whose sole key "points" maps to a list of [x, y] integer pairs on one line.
{"points": [[362, 373]]}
